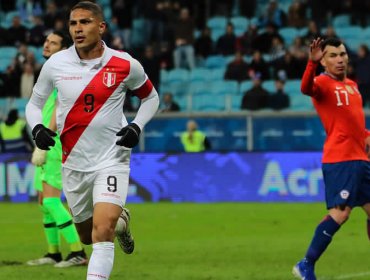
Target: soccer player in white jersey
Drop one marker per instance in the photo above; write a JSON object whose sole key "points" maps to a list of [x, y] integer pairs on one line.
{"points": [[92, 81]]}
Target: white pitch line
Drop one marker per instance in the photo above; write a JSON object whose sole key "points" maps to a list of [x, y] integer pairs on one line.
{"points": [[348, 276]]}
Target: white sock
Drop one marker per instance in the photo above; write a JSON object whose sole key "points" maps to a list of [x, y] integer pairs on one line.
{"points": [[101, 261]]}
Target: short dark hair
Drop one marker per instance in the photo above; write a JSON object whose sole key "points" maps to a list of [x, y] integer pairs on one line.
{"points": [[331, 41], [90, 6], [66, 39]]}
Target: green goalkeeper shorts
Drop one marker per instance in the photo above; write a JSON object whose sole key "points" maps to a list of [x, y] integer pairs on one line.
{"points": [[50, 172]]}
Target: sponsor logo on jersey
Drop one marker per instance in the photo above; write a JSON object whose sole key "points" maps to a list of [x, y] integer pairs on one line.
{"points": [[109, 79], [344, 194]]}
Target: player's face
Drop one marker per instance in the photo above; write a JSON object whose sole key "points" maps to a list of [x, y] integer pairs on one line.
{"points": [[52, 44], [86, 29], [335, 61]]}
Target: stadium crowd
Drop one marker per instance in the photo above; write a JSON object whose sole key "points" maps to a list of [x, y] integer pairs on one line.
{"points": [[252, 36]]}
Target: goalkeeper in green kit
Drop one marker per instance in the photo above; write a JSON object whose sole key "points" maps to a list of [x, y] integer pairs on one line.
{"points": [[57, 221]]}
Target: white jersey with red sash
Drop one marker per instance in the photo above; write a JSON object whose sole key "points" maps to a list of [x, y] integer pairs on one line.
{"points": [[91, 94]]}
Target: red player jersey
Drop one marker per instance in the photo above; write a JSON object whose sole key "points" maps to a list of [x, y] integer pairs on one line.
{"points": [[339, 106]]}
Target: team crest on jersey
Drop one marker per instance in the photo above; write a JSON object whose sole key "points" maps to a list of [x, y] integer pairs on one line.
{"points": [[344, 194], [349, 89], [109, 79]]}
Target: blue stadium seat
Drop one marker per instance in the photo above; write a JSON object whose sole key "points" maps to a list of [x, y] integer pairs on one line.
{"points": [[300, 103], [289, 34], [138, 35], [349, 32], [215, 61], [206, 103], [8, 52], [183, 102], [240, 24], [225, 87], [244, 86], [4, 63], [218, 74], [178, 75], [293, 87], [269, 85], [217, 33], [341, 20], [217, 23], [200, 74], [236, 101], [199, 87], [20, 104]]}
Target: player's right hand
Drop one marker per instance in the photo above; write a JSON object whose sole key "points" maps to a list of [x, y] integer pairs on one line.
{"points": [[38, 157], [315, 50], [43, 137]]}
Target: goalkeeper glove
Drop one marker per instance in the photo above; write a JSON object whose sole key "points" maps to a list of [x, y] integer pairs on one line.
{"points": [[43, 137], [130, 135], [38, 157]]}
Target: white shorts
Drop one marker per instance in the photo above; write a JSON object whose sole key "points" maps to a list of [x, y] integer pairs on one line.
{"points": [[84, 189]]}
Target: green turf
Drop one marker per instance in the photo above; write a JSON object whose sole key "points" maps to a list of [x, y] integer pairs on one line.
{"points": [[223, 241]]}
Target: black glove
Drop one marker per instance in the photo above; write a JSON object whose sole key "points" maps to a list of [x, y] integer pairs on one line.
{"points": [[43, 137], [130, 135]]}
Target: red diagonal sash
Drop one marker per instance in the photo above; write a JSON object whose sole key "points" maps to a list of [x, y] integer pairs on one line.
{"points": [[91, 99]]}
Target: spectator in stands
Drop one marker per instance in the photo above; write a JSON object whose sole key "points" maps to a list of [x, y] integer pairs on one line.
{"points": [[14, 137], [11, 81], [259, 65], [330, 32], [36, 35], [255, 98], [122, 16], [7, 6], [154, 20], [29, 9], [297, 14], [237, 69], [362, 68], [360, 12], [263, 41], [27, 80], [299, 50], [246, 42], [51, 15], [277, 49], [279, 99], [287, 67], [247, 8], [168, 104], [17, 33], [312, 33], [226, 44], [3, 36], [194, 140], [273, 14], [151, 64], [184, 40], [203, 46]]}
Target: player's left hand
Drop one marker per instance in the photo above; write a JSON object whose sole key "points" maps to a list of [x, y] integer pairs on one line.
{"points": [[367, 146], [130, 135]]}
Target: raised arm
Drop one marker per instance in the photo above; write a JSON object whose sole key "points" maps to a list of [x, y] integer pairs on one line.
{"points": [[315, 55]]}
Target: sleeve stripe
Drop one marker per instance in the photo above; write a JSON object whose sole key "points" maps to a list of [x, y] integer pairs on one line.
{"points": [[144, 90]]}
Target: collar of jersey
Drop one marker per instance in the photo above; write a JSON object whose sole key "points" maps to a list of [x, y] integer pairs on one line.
{"points": [[100, 61]]}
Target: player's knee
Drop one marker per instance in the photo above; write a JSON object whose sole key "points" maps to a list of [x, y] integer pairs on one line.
{"points": [[103, 232]]}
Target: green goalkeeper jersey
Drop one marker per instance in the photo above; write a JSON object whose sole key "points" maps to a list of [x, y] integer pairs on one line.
{"points": [[55, 152]]}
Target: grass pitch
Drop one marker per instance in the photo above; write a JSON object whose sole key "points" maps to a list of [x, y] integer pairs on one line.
{"points": [[223, 241]]}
